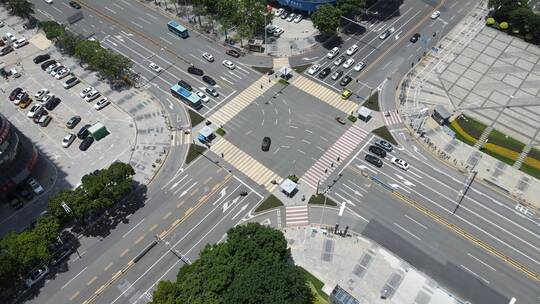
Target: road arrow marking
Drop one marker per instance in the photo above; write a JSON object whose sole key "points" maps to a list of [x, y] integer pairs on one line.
{"points": [[362, 167], [397, 35], [406, 182], [241, 210], [266, 222], [226, 205], [397, 186], [418, 152], [186, 191]]}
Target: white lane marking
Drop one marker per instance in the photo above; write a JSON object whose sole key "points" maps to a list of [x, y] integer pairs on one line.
{"points": [[136, 24], [151, 16], [110, 10], [481, 262], [118, 6], [165, 40], [123, 236], [144, 20], [419, 224], [407, 231], [474, 274], [74, 277]]}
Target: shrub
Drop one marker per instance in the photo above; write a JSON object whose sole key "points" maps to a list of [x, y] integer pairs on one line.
{"points": [[293, 178], [503, 25], [490, 21]]}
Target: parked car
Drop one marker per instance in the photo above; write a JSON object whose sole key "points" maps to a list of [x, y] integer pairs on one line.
{"points": [[16, 203], [298, 18], [278, 31], [6, 50], [21, 96], [68, 140], [25, 103], [14, 93], [86, 91], [374, 160], [38, 116], [435, 15], [400, 163], [337, 74], [359, 66], [387, 33], [414, 38], [73, 121], [41, 93], [75, 5], [46, 98], [154, 67], [284, 15], [20, 43], [36, 276], [92, 95], [339, 60], [203, 97], [352, 49], [208, 57], [333, 52], [377, 151], [279, 12], [34, 111], [102, 103], [209, 80], [314, 69], [83, 132], [211, 91], [63, 73], [52, 103], [86, 143], [44, 120], [71, 82], [41, 58], [348, 63], [60, 254], [290, 17], [266, 143], [270, 29], [384, 144], [24, 193], [185, 85], [233, 53], [195, 71], [56, 70], [35, 186], [228, 64], [51, 67], [345, 80], [48, 63], [325, 72]]}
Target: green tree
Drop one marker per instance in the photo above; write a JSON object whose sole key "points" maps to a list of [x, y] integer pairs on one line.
{"points": [[47, 228], [351, 8], [52, 29], [503, 7], [326, 19], [166, 293], [86, 49], [534, 26], [67, 42], [21, 8], [519, 17]]}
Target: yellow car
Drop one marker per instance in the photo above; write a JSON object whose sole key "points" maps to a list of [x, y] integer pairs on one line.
{"points": [[25, 103], [346, 94]]}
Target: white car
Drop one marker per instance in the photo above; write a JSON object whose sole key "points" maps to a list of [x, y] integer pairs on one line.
{"points": [[35, 110], [155, 67], [10, 37], [102, 103], [298, 19], [348, 63], [314, 69], [2, 23], [203, 97], [36, 187], [400, 163], [279, 12], [352, 50], [333, 52], [435, 15], [339, 60], [290, 17], [41, 93], [86, 91], [208, 57], [56, 70], [51, 67], [49, 1], [278, 31], [20, 43], [68, 139], [387, 33], [92, 95], [46, 98], [63, 73], [229, 64], [359, 66], [39, 273]]}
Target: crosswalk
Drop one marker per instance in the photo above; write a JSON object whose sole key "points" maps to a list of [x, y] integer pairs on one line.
{"points": [[246, 164], [328, 162], [242, 100], [391, 117], [280, 62], [323, 93], [296, 216]]}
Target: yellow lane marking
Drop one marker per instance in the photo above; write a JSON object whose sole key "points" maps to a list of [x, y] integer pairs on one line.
{"points": [[179, 204], [153, 227], [207, 180], [108, 266], [92, 280], [74, 296], [124, 252], [139, 239]]}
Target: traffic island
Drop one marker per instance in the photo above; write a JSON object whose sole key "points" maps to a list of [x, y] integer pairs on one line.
{"points": [[195, 118], [320, 200], [194, 152], [269, 203], [385, 134], [372, 102]]}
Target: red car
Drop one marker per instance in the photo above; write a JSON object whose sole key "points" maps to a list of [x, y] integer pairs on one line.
{"points": [[14, 94]]}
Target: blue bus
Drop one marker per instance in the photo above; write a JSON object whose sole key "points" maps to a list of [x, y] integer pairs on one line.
{"points": [[186, 96], [177, 29]]}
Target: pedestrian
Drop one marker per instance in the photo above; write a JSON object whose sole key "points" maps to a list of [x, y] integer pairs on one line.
{"points": [[222, 155], [261, 86], [269, 81]]}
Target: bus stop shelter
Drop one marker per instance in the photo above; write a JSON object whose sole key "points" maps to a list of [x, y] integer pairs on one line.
{"points": [[364, 114], [206, 134], [288, 187]]}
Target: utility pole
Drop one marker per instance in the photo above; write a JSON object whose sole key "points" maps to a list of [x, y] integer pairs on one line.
{"points": [[174, 251], [462, 192]]}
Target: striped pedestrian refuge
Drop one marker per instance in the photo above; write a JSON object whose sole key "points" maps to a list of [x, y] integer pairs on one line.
{"points": [[339, 151], [296, 216]]}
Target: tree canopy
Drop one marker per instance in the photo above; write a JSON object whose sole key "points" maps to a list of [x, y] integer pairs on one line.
{"points": [[351, 8], [326, 19], [252, 266], [21, 8]]}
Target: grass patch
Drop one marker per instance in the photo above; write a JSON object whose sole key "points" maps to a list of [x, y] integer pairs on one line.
{"points": [[319, 200], [530, 170], [221, 132], [372, 102], [471, 126], [269, 203], [194, 152], [534, 153], [316, 286], [501, 140], [294, 178], [385, 134], [263, 70], [502, 158], [453, 126], [352, 118], [195, 118], [283, 82], [301, 68]]}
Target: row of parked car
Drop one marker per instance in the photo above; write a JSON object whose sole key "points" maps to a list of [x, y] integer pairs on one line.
{"points": [[380, 150], [9, 43]]}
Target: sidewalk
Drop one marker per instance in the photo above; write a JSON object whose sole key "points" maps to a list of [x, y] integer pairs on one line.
{"points": [[424, 87]]}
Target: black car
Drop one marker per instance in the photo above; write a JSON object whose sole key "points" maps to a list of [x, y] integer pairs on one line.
{"points": [[46, 64], [52, 103], [377, 151], [209, 80], [325, 72], [414, 38], [185, 85], [6, 50], [24, 193], [75, 5], [14, 93], [38, 116], [71, 82], [233, 53], [212, 92], [45, 121], [16, 203], [73, 121], [195, 71], [266, 143], [41, 58], [60, 254], [83, 132], [345, 80], [374, 160], [86, 143]]}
